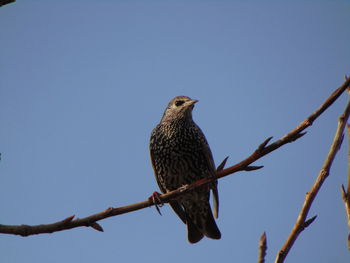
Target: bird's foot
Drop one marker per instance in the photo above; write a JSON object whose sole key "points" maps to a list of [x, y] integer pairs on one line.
{"points": [[155, 199]]}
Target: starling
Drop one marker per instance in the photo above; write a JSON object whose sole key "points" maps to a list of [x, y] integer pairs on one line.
{"points": [[181, 155]]}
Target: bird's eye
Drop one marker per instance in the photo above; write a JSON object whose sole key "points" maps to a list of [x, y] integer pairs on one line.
{"points": [[179, 103]]}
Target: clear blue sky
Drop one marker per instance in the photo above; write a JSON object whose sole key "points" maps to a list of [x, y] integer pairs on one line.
{"points": [[84, 82]]}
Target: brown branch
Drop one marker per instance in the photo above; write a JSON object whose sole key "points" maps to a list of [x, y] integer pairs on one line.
{"points": [[346, 193], [290, 137], [262, 150], [262, 248], [301, 222]]}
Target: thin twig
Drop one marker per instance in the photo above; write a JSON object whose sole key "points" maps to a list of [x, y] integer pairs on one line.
{"points": [[346, 193], [302, 222], [262, 150], [262, 248], [290, 137]]}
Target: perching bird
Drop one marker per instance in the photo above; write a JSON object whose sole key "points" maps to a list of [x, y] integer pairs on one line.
{"points": [[181, 155]]}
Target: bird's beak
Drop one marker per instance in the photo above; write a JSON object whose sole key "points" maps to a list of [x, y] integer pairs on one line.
{"points": [[191, 102]]}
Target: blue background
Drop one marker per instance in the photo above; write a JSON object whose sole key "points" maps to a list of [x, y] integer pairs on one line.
{"points": [[84, 82]]}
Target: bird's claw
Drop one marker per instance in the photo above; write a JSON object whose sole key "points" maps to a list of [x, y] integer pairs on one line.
{"points": [[155, 198]]}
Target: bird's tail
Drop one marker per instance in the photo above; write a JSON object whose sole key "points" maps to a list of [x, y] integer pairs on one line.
{"points": [[201, 223], [211, 230], [193, 233]]}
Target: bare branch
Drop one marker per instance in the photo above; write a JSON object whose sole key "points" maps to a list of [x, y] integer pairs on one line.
{"points": [[262, 248], [346, 193], [262, 150], [301, 222], [295, 134]]}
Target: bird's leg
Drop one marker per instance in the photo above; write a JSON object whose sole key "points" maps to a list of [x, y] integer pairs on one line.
{"points": [[155, 198]]}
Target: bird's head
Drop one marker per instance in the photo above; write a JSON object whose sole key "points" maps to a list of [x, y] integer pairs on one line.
{"points": [[179, 108]]}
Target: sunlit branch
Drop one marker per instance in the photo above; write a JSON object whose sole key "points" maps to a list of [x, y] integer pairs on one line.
{"points": [[302, 221], [262, 150]]}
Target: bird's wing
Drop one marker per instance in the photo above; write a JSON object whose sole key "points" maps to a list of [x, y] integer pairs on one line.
{"points": [[178, 209], [215, 191], [211, 166], [175, 205]]}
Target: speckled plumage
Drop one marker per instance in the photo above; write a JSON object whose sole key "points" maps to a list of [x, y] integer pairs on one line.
{"points": [[181, 155]]}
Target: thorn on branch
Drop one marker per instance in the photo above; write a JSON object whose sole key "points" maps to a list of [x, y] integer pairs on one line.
{"points": [[344, 193], [68, 219], [309, 221], [297, 136], [222, 164], [96, 226], [263, 145], [252, 168], [301, 134]]}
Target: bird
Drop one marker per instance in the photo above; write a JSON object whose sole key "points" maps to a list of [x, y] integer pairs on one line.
{"points": [[180, 155]]}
